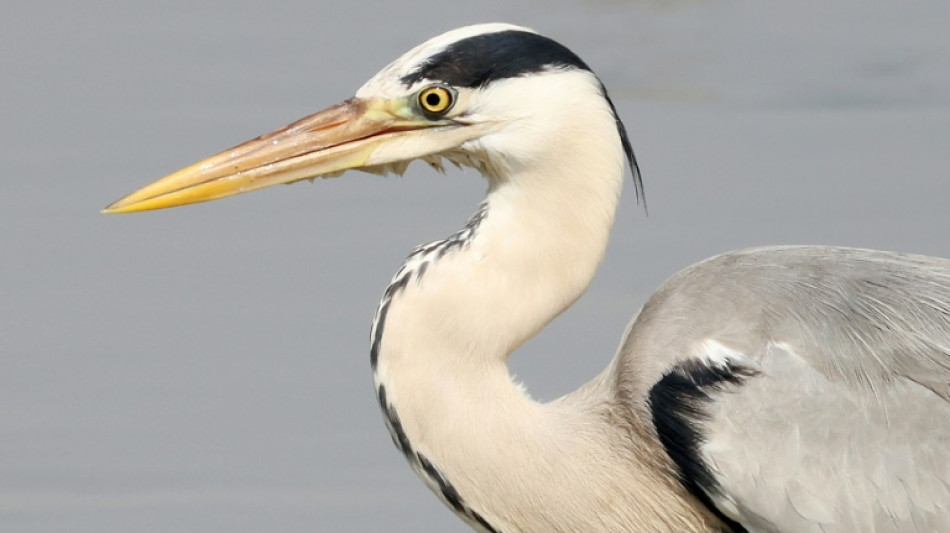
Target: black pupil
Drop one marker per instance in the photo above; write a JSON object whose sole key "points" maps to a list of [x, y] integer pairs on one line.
{"points": [[433, 99]]}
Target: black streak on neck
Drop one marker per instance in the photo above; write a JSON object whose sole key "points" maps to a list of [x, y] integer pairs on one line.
{"points": [[427, 253], [421, 257], [448, 491]]}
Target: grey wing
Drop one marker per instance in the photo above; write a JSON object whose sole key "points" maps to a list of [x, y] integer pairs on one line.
{"points": [[803, 388]]}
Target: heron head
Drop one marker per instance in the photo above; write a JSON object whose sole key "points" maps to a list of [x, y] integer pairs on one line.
{"points": [[492, 96]]}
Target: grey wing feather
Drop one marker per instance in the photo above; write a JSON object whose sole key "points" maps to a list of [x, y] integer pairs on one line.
{"points": [[846, 424]]}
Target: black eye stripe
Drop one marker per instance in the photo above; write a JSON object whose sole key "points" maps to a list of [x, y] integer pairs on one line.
{"points": [[479, 60]]}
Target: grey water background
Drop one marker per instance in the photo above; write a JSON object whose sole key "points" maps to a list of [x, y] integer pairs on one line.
{"points": [[205, 369]]}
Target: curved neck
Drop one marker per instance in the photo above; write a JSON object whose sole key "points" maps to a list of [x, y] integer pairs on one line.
{"points": [[445, 327]]}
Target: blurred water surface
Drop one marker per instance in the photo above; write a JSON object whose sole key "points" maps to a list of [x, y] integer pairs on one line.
{"points": [[206, 369]]}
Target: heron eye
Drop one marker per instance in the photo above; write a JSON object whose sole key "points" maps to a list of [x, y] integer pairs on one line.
{"points": [[436, 100]]}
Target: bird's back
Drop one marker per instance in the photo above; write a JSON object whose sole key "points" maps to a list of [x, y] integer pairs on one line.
{"points": [[802, 388]]}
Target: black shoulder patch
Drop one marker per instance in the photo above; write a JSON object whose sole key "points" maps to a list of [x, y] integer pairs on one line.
{"points": [[677, 404], [481, 59]]}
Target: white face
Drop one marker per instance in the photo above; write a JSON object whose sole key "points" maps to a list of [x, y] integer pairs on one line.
{"points": [[507, 123]]}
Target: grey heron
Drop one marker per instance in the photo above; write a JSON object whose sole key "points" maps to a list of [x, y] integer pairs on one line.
{"points": [[780, 389]]}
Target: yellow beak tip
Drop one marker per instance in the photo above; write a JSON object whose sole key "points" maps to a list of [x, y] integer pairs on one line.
{"points": [[327, 143], [116, 208], [133, 204]]}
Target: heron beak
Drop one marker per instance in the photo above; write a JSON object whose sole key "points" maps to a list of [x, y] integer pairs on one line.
{"points": [[339, 138]]}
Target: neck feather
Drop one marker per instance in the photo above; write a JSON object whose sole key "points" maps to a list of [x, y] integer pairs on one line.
{"points": [[445, 328]]}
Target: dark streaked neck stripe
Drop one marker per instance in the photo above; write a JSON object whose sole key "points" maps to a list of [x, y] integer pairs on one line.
{"points": [[424, 466], [413, 270]]}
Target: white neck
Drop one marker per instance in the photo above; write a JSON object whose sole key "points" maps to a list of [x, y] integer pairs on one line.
{"points": [[443, 336]]}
